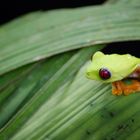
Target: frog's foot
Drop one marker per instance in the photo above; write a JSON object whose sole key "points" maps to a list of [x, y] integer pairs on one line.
{"points": [[119, 87]]}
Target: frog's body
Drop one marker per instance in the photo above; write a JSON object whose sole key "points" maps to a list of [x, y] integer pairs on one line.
{"points": [[114, 68]]}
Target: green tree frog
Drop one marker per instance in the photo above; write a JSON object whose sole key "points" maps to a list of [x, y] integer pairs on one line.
{"points": [[115, 69]]}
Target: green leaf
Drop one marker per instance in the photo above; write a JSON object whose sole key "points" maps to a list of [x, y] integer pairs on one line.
{"points": [[62, 30], [124, 2], [51, 99], [41, 93], [15, 76], [39, 74]]}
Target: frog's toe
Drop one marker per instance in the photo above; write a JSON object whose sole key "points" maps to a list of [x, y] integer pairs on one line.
{"points": [[128, 91], [117, 88], [116, 92]]}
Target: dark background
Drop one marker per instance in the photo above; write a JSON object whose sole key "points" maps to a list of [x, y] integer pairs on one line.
{"points": [[12, 9]]}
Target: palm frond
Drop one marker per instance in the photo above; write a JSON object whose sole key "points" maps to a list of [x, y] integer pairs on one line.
{"points": [[44, 94]]}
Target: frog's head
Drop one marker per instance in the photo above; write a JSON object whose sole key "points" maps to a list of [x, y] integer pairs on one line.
{"points": [[110, 68]]}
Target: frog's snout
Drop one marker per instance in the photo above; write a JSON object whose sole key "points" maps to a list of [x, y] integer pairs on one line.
{"points": [[89, 74]]}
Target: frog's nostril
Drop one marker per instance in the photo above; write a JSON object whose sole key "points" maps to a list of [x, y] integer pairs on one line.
{"points": [[88, 74]]}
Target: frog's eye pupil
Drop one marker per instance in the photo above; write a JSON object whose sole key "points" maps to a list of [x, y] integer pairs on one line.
{"points": [[104, 73]]}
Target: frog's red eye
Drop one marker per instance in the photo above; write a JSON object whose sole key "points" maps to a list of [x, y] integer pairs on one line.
{"points": [[104, 73]]}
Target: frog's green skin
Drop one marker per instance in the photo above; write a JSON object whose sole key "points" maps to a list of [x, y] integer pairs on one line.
{"points": [[120, 66]]}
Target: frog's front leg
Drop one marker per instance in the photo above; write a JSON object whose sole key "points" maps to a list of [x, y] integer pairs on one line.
{"points": [[119, 87], [134, 87]]}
